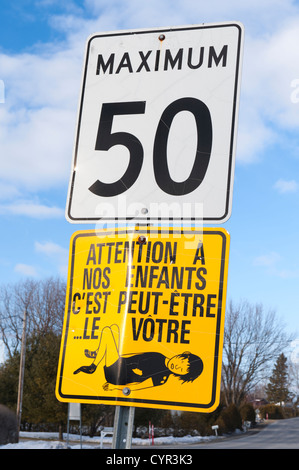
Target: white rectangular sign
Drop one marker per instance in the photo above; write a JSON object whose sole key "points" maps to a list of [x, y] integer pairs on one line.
{"points": [[157, 124]]}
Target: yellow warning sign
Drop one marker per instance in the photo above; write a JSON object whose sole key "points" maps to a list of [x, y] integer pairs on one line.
{"points": [[144, 318]]}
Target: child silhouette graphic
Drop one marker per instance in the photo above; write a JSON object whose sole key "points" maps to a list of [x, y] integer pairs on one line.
{"points": [[140, 371]]}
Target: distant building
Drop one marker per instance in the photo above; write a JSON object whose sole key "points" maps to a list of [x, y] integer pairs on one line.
{"points": [[258, 402]]}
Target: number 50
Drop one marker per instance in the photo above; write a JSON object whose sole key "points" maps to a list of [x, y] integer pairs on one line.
{"points": [[107, 139]]}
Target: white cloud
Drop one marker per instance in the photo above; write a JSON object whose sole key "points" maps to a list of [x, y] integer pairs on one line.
{"points": [[273, 264], [31, 209], [254, 135], [268, 260], [50, 249], [53, 260], [288, 273], [269, 13], [8, 191], [286, 186], [57, 254], [267, 109], [26, 270], [37, 149], [37, 120]]}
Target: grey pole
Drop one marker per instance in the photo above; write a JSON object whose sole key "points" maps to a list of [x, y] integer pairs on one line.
{"points": [[21, 373], [123, 427]]}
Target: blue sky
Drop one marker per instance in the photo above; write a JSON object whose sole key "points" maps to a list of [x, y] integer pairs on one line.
{"points": [[42, 46]]}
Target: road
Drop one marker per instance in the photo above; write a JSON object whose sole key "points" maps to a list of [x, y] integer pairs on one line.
{"points": [[281, 434]]}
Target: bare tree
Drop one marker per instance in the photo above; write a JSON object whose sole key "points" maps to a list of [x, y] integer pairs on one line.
{"points": [[252, 339], [44, 302]]}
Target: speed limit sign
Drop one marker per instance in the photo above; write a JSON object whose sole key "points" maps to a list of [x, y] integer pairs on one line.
{"points": [[156, 128]]}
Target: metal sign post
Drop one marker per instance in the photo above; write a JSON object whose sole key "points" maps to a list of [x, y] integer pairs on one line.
{"points": [[123, 427], [74, 414], [21, 373]]}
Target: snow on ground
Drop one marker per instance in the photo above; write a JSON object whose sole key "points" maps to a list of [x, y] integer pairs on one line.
{"points": [[44, 440]]}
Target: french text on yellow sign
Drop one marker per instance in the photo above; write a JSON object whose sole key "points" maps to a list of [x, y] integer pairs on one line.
{"points": [[144, 318]]}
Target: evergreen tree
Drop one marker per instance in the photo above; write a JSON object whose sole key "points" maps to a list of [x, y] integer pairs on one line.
{"points": [[9, 376], [40, 404], [277, 388]]}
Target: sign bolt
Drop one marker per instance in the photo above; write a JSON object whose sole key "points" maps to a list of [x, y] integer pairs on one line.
{"points": [[141, 240]]}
